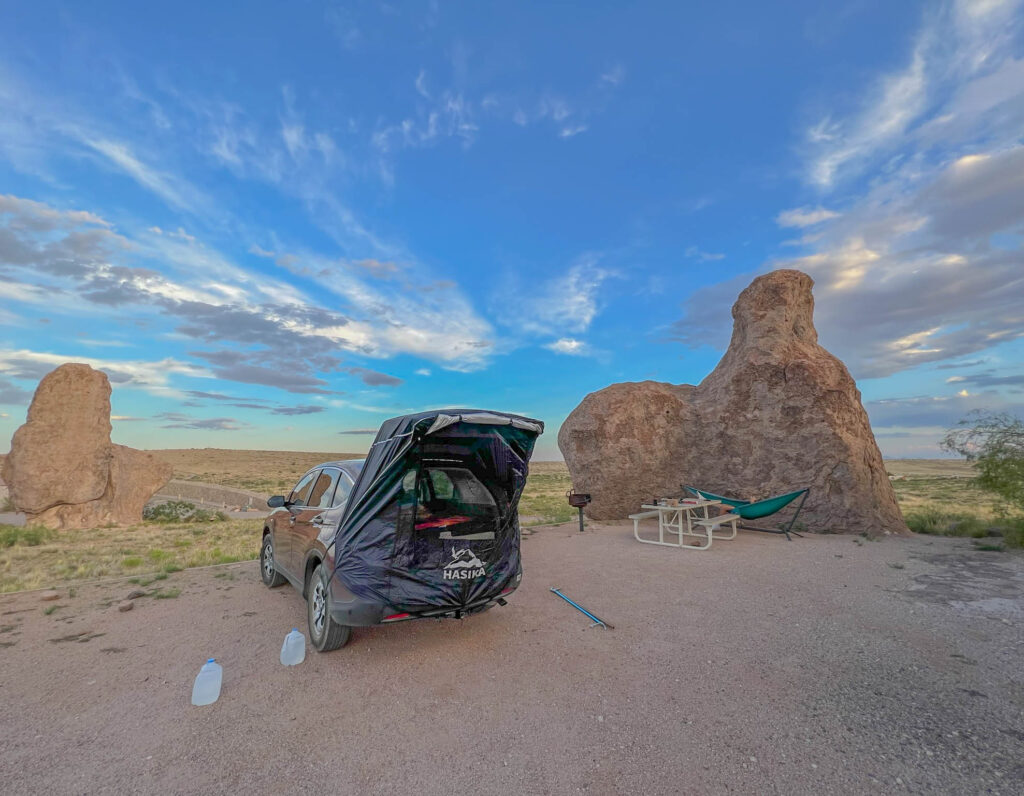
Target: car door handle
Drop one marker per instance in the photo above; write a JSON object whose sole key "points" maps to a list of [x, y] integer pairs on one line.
{"points": [[318, 519]]}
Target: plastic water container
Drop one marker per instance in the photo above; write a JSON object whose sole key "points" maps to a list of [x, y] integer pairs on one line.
{"points": [[293, 650], [207, 686]]}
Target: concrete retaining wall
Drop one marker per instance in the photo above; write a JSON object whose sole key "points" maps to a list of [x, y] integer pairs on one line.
{"points": [[211, 494]]}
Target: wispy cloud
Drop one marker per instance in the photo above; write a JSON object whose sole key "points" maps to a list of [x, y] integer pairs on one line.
{"points": [[565, 303], [215, 301], [916, 251], [695, 253], [374, 378], [960, 42], [804, 216], [183, 421], [171, 190], [12, 395], [152, 376], [614, 76], [306, 409]]}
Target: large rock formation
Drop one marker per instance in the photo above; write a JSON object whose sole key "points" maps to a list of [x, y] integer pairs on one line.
{"points": [[63, 471], [778, 413]]}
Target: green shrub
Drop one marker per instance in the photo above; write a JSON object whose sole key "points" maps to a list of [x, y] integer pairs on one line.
{"points": [[941, 523], [1013, 532], [181, 511], [11, 535]]}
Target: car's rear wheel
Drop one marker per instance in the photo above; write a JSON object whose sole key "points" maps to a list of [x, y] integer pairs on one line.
{"points": [[324, 633], [268, 572]]}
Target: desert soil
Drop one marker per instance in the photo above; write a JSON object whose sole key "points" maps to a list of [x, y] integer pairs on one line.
{"points": [[813, 667]]}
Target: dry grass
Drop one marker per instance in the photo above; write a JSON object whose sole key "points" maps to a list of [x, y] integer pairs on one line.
{"points": [[953, 494], [266, 472], [924, 468], [543, 500], [32, 558]]}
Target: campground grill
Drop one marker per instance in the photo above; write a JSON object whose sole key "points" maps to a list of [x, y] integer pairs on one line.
{"points": [[578, 500]]}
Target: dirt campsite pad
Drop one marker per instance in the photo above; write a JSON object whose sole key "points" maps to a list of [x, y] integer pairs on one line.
{"points": [[829, 664]]}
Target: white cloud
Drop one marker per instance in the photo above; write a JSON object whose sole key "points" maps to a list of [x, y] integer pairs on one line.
{"points": [[568, 345], [41, 215], [958, 43], [171, 189], [566, 303], [574, 130], [804, 216], [423, 372], [212, 299], [925, 264], [451, 115], [907, 275], [695, 253], [421, 84], [898, 99], [614, 76], [151, 376]]}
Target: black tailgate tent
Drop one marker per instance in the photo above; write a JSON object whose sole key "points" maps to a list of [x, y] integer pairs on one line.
{"points": [[432, 521]]}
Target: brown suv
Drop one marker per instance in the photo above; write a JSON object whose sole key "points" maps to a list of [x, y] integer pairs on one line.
{"points": [[298, 533], [426, 526]]}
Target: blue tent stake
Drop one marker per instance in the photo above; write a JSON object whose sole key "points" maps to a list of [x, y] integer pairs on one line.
{"points": [[597, 621]]}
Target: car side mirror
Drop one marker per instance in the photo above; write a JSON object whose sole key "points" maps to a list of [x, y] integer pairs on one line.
{"points": [[276, 502]]}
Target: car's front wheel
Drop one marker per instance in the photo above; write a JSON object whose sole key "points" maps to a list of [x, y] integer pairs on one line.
{"points": [[324, 633], [268, 572]]}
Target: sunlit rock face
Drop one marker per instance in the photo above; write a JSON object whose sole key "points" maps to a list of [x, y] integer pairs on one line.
{"points": [[63, 471], [777, 414]]}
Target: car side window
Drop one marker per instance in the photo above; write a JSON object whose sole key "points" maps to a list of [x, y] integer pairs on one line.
{"points": [[344, 489], [323, 489], [300, 494], [444, 489]]}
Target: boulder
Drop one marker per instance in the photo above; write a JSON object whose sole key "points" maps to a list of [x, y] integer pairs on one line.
{"points": [[777, 414], [62, 453], [63, 471]]}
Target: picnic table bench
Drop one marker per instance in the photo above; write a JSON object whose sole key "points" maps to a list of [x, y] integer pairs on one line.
{"points": [[678, 520]]}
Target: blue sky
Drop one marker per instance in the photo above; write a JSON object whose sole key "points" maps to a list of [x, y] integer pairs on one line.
{"points": [[275, 228]]}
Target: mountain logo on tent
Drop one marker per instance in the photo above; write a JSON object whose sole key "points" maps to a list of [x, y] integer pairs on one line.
{"points": [[463, 566]]}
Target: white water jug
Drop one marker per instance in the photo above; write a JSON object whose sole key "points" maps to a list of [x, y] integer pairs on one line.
{"points": [[293, 651], [207, 685]]}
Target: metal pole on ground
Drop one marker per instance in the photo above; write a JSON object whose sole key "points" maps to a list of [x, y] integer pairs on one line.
{"points": [[583, 610]]}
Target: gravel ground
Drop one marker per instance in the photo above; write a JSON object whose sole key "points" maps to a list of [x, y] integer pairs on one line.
{"points": [[825, 665]]}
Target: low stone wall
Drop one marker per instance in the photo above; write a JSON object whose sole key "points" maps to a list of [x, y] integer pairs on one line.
{"points": [[211, 494]]}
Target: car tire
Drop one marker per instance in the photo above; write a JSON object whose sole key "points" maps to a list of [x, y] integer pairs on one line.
{"points": [[324, 633], [268, 572]]}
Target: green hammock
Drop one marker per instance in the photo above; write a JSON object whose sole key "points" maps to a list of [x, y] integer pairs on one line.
{"points": [[758, 509]]}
